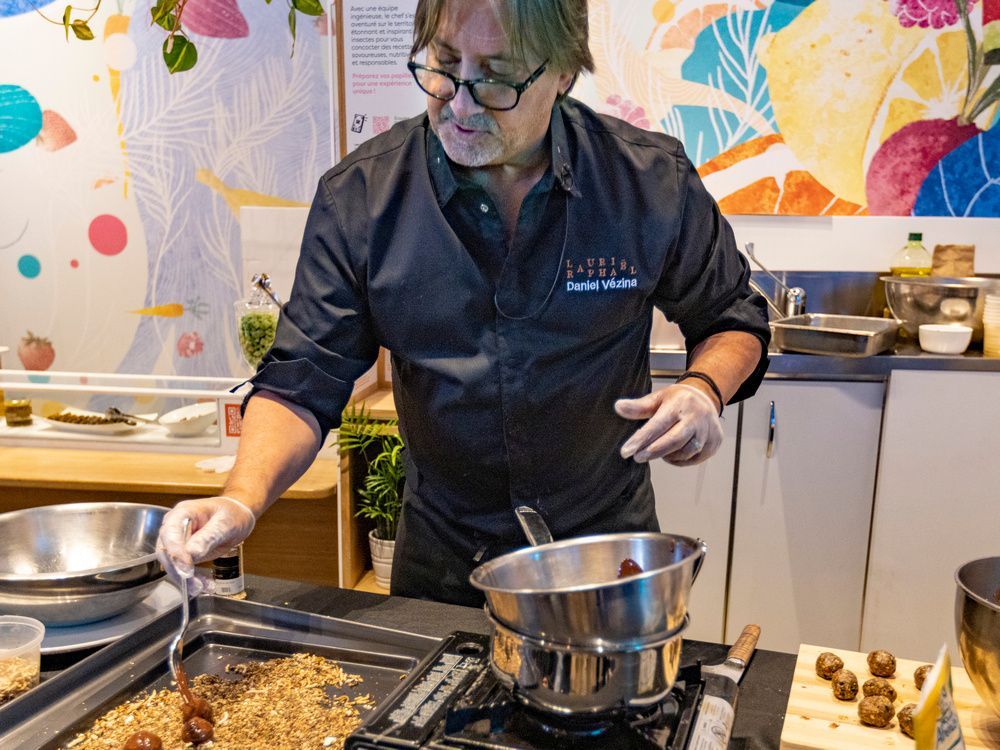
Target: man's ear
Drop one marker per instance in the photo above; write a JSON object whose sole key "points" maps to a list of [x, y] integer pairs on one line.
{"points": [[566, 83]]}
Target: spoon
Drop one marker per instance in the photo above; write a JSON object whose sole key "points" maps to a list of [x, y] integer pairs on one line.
{"points": [[115, 413], [175, 654]]}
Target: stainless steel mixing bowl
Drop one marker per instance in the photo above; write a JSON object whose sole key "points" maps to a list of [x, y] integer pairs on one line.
{"points": [[977, 624], [916, 300], [569, 592], [77, 563]]}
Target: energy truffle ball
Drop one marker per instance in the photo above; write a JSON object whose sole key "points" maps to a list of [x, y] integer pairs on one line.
{"points": [[827, 664], [845, 685], [879, 686], [905, 717], [197, 731], [920, 674], [882, 663], [876, 711]]}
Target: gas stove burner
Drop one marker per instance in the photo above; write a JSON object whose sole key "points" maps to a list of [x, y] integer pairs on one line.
{"points": [[454, 701]]}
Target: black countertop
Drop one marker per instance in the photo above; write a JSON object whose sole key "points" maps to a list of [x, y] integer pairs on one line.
{"points": [[763, 691]]}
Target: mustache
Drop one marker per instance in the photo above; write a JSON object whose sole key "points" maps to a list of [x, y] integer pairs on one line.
{"points": [[479, 121]]}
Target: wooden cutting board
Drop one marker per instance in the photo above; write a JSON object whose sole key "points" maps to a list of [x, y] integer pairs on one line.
{"points": [[815, 720]]}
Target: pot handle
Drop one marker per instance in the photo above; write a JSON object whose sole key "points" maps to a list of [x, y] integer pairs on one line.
{"points": [[533, 525], [700, 561]]}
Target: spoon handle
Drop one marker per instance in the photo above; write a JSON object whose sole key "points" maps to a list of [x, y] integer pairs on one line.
{"points": [[533, 525]]}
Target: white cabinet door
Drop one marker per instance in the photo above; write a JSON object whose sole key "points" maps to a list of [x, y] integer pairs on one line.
{"points": [[803, 514], [937, 506], [697, 501]]}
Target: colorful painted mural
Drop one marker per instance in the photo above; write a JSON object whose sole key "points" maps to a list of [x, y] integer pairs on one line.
{"points": [[814, 107], [122, 184]]}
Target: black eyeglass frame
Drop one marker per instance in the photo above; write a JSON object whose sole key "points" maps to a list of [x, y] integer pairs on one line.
{"points": [[519, 88]]}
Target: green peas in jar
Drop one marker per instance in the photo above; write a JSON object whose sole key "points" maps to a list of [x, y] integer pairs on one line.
{"points": [[256, 332]]}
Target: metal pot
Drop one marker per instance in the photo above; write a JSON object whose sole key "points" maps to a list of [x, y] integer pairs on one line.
{"points": [[569, 592], [577, 681]]}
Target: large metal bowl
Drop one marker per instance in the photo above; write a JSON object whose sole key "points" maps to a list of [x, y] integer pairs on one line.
{"points": [[569, 592], [977, 624], [78, 563], [917, 300]]}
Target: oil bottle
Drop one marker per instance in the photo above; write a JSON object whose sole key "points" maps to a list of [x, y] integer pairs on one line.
{"points": [[912, 259]]}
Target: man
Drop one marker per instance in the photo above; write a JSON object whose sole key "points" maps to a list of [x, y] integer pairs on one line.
{"points": [[507, 247]]}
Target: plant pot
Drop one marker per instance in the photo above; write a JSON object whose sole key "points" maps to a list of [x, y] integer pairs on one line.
{"points": [[382, 552]]}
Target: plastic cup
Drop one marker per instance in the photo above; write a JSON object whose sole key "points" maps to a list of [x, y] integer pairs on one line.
{"points": [[20, 655], [991, 339]]}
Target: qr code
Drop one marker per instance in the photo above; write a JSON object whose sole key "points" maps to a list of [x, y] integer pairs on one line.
{"points": [[380, 123]]}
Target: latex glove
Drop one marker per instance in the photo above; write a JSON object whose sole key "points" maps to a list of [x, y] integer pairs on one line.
{"points": [[217, 524], [682, 425]]}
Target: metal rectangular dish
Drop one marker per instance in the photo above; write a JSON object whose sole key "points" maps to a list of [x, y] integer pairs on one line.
{"points": [[841, 335], [222, 631]]}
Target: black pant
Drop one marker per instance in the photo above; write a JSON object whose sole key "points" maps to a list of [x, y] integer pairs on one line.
{"points": [[434, 555]]}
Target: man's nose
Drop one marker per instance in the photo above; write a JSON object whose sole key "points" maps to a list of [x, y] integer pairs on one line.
{"points": [[463, 105]]}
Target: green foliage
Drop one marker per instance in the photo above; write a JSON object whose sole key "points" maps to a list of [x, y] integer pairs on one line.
{"points": [[179, 53], [381, 498]]}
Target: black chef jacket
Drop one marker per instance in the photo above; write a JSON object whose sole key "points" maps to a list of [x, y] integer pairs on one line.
{"points": [[507, 359]]}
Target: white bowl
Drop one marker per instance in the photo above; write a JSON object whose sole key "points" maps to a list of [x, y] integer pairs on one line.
{"points": [[944, 339], [190, 420]]}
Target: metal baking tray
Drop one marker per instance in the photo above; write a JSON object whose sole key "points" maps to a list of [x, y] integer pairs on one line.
{"points": [[222, 631], [841, 335]]}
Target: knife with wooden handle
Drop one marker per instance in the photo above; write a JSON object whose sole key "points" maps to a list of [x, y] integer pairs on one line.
{"points": [[714, 723]]}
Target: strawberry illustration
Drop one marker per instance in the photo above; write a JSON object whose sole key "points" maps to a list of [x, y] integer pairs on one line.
{"points": [[35, 352]]}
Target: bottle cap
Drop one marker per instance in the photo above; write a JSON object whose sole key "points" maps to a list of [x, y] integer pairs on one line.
{"points": [[916, 237]]}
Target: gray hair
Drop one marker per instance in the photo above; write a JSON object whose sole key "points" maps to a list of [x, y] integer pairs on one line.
{"points": [[553, 30]]}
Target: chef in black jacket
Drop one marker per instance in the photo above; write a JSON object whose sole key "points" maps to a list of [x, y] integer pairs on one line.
{"points": [[507, 247]]}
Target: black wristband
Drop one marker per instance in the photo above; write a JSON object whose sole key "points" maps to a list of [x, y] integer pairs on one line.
{"points": [[711, 384]]}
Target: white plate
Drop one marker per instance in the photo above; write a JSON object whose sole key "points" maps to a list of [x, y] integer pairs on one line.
{"points": [[111, 428], [163, 597]]}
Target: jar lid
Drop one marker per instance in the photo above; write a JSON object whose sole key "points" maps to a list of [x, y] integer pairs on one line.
{"points": [[17, 403]]}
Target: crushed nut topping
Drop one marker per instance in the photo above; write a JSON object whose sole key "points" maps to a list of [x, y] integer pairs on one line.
{"points": [[276, 704], [16, 676]]}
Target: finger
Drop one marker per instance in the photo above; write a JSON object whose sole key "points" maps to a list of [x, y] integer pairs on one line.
{"points": [[689, 451], [209, 538], [201, 583], [669, 442], [664, 420], [713, 440], [175, 567], [638, 408]]}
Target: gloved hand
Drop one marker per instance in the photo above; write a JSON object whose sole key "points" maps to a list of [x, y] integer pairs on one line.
{"points": [[217, 524], [682, 426]]}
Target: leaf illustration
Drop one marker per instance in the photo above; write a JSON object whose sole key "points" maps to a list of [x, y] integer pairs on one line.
{"points": [[725, 58], [20, 117], [179, 53], [221, 19], [966, 182]]}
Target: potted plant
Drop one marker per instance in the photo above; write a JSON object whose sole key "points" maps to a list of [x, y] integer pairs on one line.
{"points": [[378, 450]]}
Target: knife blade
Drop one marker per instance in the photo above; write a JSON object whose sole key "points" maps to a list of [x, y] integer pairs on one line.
{"points": [[714, 724]]}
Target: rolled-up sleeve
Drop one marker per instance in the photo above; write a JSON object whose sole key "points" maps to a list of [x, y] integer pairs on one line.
{"points": [[704, 284], [324, 340]]}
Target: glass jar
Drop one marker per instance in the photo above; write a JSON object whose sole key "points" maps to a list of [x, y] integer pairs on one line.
{"points": [[256, 322], [227, 573], [18, 412]]}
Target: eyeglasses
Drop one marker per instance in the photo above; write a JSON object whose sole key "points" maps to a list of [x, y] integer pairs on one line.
{"points": [[486, 92]]}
